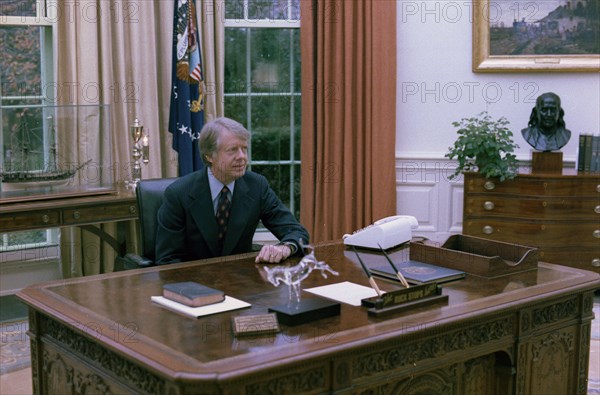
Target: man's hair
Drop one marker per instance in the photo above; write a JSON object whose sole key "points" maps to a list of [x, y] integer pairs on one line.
{"points": [[210, 133], [535, 116]]}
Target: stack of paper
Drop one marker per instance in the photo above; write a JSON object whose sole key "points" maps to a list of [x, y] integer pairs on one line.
{"points": [[228, 304], [345, 292]]}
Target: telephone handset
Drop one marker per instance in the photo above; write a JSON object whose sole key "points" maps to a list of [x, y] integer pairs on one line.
{"points": [[388, 232]]}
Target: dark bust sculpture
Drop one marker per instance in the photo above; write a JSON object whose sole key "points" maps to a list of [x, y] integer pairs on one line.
{"points": [[547, 130]]}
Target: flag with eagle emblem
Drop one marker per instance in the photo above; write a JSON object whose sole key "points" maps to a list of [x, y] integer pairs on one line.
{"points": [[186, 116]]}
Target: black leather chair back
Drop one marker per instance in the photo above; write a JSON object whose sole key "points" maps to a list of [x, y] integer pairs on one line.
{"points": [[149, 195]]}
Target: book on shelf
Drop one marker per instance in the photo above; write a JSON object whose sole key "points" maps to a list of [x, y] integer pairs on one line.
{"points": [[417, 272], [595, 165], [192, 294], [588, 157], [581, 152]]}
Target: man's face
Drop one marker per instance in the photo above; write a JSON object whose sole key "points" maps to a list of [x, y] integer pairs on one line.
{"points": [[231, 158], [548, 113]]}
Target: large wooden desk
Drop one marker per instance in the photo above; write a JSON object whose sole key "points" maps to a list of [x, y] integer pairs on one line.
{"points": [[520, 334], [81, 211]]}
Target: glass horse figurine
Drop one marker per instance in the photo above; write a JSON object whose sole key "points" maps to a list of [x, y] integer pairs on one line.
{"points": [[292, 276]]}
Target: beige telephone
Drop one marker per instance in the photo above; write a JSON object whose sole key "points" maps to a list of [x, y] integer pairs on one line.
{"points": [[388, 232]]}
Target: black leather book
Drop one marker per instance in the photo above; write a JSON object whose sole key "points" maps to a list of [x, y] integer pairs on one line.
{"points": [[192, 294]]}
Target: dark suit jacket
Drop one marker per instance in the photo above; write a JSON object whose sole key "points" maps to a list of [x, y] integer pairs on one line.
{"points": [[187, 227]]}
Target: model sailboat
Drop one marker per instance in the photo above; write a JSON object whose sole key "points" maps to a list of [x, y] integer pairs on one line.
{"points": [[20, 167]]}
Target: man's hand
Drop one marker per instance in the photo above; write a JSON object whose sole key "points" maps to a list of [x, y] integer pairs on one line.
{"points": [[273, 253]]}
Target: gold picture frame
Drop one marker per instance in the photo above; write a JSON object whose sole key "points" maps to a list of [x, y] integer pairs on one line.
{"points": [[484, 62]]}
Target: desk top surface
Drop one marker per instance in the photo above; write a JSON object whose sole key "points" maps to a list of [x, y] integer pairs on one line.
{"points": [[16, 201], [116, 309]]}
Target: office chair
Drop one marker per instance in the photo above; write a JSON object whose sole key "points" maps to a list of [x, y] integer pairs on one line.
{"points": [[149, 195]]}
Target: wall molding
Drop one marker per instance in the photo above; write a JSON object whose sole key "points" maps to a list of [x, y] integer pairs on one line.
{"points": [[424, 190]]}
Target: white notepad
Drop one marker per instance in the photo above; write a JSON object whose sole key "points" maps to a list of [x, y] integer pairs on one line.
{"points": [[345, 292], [228, 304]]}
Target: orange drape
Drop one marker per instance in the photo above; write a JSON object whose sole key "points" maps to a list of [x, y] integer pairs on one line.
{"points": [[348, 114]]}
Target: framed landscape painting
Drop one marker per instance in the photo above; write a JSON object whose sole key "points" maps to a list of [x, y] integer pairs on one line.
{"points": [[536, 35]]}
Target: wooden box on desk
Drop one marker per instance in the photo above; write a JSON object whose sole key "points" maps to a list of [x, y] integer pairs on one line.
{"points": [[478, 256], [557, 213]]}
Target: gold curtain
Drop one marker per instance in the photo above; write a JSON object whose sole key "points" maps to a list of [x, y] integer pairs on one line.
{"points": [[211, 19], [121, 52], [348, 114]]}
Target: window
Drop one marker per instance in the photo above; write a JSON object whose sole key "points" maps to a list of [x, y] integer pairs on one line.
{"points": [[25, 69], [262, 87]]}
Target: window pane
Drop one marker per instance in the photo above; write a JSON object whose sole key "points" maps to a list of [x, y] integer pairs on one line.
{"points": [[235, 60], [271, 59], [297, 122], [263, 10], [279, 179], [236, 108], [294, 9], [23, 140], [234, 9], [273, 9], [26, 238], [18, 7], [20, 70], [297, 179], [270, 128], [271, 55], [296, 59]]}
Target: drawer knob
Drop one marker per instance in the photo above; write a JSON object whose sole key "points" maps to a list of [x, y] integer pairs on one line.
{"points": [[488, 205], [598, 188], [597, 209], [76, 215], [489, 185], [596, 262], [132, 209], [45, 218], [596, 233], [488, 230]]}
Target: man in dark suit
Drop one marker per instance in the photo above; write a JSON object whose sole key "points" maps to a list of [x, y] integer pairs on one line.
{"points": [[215, 211]]}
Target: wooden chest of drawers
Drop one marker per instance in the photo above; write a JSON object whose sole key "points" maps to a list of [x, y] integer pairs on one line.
{"points": [[558, 213]]}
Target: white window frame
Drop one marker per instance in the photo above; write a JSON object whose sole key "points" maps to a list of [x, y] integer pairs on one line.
{"points": [[46, 14], [288, 23]]}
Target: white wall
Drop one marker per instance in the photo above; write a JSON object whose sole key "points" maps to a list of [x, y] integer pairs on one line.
{"points": [[434, 47], [436, 86]]}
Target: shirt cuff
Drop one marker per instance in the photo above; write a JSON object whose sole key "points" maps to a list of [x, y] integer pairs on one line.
{"points": [[292, 245]]}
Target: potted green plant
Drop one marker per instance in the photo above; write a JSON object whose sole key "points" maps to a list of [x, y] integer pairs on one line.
{"points": [[486, 146]]}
